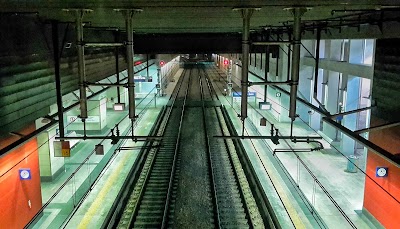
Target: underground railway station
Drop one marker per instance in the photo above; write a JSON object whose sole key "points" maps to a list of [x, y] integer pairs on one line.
{"points": [[200, 114]]}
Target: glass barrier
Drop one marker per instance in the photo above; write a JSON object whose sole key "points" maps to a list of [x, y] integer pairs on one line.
{"points": [[327, 184], [67, 194]]}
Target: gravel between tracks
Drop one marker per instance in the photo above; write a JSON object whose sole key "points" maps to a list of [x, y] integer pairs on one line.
{"points": [[193, 207]]}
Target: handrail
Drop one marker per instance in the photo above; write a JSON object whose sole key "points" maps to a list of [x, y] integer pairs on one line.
{"points": [[309, 206]]}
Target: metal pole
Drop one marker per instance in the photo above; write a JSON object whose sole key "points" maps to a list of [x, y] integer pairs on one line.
{"points": [[380, 127], [277, 60], [271, 43], [159, 80], [268, 83], [81, 64], [316, 71], [294, 138], [147, 63], [288, 59], [297, 12], [246, 14], [129, 57], [351, 112], [266, 71], [136, 138], [371, 146], [56, 56], [230, 78], [104, 45], [108, 84], [117, 66]]}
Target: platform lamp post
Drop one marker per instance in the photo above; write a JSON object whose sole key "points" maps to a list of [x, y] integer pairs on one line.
{"points": [[158, 86], [229, 77]]}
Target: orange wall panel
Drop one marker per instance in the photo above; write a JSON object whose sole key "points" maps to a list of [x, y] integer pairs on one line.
{"points": [[383, 206], [5, 141], [15, 211]]}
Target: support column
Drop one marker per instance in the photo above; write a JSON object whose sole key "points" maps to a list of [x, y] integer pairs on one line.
{"points": [[129, 57], [297, 12], [56, 57], [246, 15], [147, 68], [128, 14], [266, 72], [81, 63], [116, 36]]}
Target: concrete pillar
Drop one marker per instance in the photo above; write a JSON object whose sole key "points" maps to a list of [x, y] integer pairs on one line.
{"points": [[350, 121], [332, 102]]}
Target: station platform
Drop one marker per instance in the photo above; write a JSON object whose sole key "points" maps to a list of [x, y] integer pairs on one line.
{"points": [[306, 189], [61, 195]]}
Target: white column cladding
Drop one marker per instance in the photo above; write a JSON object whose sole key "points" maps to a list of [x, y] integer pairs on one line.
{"points": [[315, 117], [284, 100], [350, 121], [49, 165], [97, 116], [305, 82], [331, 104]]}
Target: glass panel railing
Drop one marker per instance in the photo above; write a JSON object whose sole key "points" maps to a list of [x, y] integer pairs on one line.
{"points": [[82, 170], [330, 182]]}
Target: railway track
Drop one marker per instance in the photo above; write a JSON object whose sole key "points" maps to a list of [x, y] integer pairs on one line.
{"points": [[192, 180], [236, 207], [148, 204]]}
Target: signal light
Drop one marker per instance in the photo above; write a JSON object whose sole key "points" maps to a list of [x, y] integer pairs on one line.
{"points": [[226, 62], [162, 63]]}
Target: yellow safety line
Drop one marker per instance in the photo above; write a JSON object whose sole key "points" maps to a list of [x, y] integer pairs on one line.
{"points": [[298, 223], [99, 200]]}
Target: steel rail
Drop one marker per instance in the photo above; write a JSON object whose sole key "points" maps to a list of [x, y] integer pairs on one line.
{"points": [[171, 179], [269, 217], [235, 172], [167, 117], [123, 196], [210, 163]]}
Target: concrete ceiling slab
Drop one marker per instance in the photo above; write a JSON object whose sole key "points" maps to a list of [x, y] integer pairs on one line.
{"points": [[187, 16]]}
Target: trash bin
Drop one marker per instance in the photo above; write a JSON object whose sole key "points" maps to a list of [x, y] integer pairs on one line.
{"points": [[351, 164]]}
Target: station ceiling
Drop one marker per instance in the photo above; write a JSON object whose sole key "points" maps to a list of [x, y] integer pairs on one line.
{"points": [[188, 16]]}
